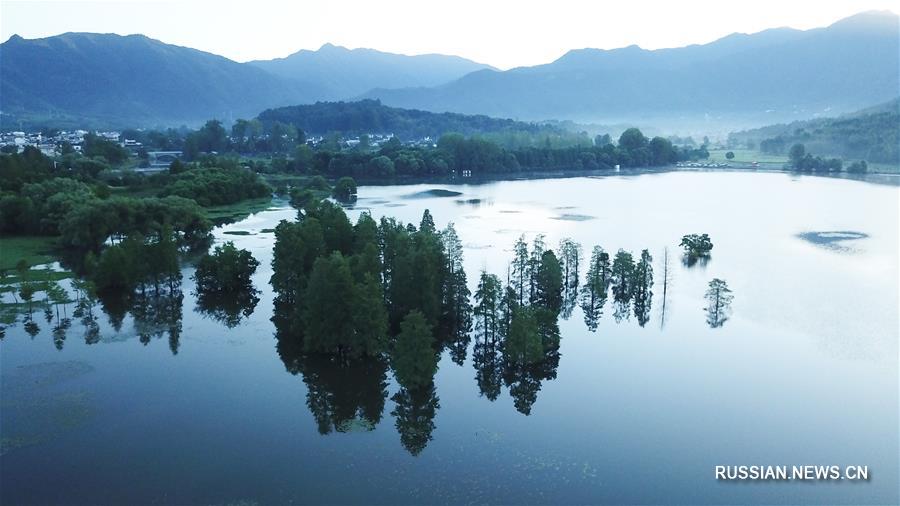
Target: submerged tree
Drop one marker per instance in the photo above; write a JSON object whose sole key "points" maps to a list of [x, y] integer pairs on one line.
{"points": [[225, 291], [488, 301], [622, 275], [521, 271], [718, 298], [535, 260], [345, 189], [643, 283], [666, 281], [696, 247], [594, 292], [414, 359], [228, 269], [340, 316], [548, 283], [457, 310], [570, 258], [523, 344]]}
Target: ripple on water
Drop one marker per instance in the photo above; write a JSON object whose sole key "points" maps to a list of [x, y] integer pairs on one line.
{"points": [[39, 404]]}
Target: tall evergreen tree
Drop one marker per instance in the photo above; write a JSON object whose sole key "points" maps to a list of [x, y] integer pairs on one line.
{"points": [[548, 283], [643, 284], [414, 359], [520, 276], [488, 300], [457, 312], [594, 292], [328, 305]]}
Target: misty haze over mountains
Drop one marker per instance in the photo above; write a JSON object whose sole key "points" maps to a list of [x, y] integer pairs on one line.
{"points": [[740, 80]]}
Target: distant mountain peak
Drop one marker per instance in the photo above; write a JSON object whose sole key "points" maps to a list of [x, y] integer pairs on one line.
{"points": [[347, 73], [869, 20]]}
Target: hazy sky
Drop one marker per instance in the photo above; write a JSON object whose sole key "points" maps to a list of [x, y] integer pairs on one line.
{"points": [[501, 33]]}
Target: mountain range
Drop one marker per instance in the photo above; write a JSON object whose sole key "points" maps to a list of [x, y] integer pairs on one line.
{"points": [[774, 75], [92, 79], [341, 73], [741, 80]]}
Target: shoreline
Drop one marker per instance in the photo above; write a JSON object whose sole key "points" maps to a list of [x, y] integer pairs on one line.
{"points": [[884, 178]]}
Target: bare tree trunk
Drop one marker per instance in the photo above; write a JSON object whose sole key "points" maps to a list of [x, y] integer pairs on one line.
{"points": [[666, 275]]}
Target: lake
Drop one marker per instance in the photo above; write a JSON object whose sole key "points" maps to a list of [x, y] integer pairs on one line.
{"points": [[804, 370]]}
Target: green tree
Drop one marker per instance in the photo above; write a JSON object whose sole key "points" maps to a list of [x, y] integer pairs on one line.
{"points": [[370, 318], [643, 283], [632, 139], [523, 344], [549, 283], [327, 306], [521, 269], [594, 292], [796, 155], [176, 167], [344, 189], [414, 359], [488, 300], [696, 246], [718, 298], [622, 275], [27, 289], [457, 310], [381, 166], [227, 269], [662, 152]]}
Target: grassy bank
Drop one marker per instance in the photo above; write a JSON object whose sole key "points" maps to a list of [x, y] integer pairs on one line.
{"points": [[237, 211], [35, 250], [745, 156]]}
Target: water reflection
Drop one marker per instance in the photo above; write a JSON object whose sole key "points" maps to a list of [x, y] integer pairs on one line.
{"points": [[227, 309], [158, 315], [155, 314], [414, 416], [594, 292], [343, 395], [487, 359], [524, 379]]}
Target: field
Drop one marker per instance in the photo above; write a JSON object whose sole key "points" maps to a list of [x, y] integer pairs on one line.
{"points": [[35, 250], [236, 212], [745, 156]]}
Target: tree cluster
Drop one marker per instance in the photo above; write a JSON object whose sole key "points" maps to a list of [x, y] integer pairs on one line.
{"points": [[631, 283], [348, 289], [216, 186], [696, 247], [225, 291]]}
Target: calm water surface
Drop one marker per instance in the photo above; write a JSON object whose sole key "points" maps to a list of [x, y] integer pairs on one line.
{"points": [[804, 372]]}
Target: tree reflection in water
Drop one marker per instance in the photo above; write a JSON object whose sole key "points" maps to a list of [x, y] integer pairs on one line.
{"points": [[414, 416], [228, 309], [343, 394], [154, 313]]}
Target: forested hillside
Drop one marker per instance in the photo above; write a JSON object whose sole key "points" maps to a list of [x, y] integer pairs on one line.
{"points": [[872, 134]]}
